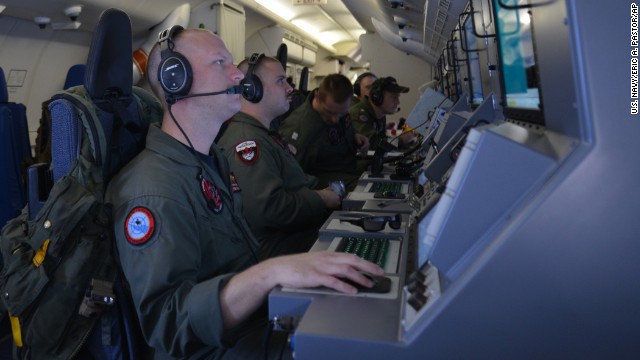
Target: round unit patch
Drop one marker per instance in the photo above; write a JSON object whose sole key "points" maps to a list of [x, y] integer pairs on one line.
{"points": [[139, 226], [247, 151]]}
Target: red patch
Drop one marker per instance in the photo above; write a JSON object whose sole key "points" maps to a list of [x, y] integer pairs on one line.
{"points": [[139, 226], [212, 195], [247, 151]]}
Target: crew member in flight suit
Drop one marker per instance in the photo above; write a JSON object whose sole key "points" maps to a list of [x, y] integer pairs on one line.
{"points": [[369, 116], [321, 135], [183, 245], [285, 211]]}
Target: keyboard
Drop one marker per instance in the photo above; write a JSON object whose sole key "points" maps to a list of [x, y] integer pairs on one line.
{"points": [[388, 187], [374, 250]]}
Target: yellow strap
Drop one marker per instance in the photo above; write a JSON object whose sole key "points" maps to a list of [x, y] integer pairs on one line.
{"points": [[38, 258], [15, 329]]}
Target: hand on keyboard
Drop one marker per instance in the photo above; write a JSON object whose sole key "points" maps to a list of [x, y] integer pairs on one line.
{"points": [[381, 284]]}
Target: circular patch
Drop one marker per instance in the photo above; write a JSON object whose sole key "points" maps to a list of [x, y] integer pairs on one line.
{"points": [[139, 226], [247, 151]]}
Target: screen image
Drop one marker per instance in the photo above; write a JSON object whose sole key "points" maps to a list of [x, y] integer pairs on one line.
{"points": [[475, 79], [518, 62]]}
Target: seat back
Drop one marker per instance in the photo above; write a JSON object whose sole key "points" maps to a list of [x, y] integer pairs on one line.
{"points": [[124, 114], [75, 76], [15, 150]]}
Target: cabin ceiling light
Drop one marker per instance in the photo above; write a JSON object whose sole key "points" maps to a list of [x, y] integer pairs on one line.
{"points": [[400, 21], [404, 35], [73, 12], [395, 3], [42, 21], [2, 7]]}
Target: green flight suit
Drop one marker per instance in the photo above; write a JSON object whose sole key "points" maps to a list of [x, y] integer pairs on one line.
{"points": [[323, 150], [282, 208], [180, 237], [365, 122]]}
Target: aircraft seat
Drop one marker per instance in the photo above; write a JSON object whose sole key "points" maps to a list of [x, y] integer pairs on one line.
{"points": [[15, 150], [108, 83], [75, 76]]}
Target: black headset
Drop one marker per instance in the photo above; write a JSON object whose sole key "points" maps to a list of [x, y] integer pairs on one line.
{"points": [[251, 84], [377, 92], [174, 72], [356, 84]]}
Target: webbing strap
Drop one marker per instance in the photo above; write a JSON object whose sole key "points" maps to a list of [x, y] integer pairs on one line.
{"points": [[15, 329]]}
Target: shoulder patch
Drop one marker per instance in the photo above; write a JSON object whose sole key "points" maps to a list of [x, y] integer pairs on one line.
{"points": [[363, 118], [139, 226], [247, 151]]}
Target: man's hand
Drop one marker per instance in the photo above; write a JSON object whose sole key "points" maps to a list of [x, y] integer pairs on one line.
{"points": [[330, 198], [363, 143], [246, 291], [323, 269]]}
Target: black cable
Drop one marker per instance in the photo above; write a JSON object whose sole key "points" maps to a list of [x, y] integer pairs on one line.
{"points": [[267, 337]]}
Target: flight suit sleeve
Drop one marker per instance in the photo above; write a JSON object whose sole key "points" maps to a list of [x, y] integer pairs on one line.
{"points": [[160, 251], [362, 124], [267, 201]]}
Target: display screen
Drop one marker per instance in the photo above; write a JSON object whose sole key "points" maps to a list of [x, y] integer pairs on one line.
{"points": [[473, 62], [519, 72]]}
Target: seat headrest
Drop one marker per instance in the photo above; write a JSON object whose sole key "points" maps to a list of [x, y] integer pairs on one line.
{"points": [[75, 76], [109, 64], [4, 94]]}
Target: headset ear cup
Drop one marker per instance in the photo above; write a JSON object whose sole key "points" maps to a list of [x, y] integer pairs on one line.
{"points": [[252, 88], [174, 74], [376, 96]]}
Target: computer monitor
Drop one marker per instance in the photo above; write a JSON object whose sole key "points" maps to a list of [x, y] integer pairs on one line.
{"points": [[422, 115], [520, 83], [469, 45]]}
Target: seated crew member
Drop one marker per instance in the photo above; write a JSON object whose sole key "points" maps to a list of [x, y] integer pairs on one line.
{"points": [[283, 210], [369, 116], [362, 86], [321, 135], [183, 244]]}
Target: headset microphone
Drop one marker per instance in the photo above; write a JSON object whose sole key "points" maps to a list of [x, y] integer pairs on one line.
{"points": [[236, 89]]}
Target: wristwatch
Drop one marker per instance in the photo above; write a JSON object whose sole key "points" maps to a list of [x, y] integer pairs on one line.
{"points": [[338, 188]]}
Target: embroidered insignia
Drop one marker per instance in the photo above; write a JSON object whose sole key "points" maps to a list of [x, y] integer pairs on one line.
{"points": [[347, 120], [363, 118], [139, 226], [334, 136], [247, 151], [212, 195], [292, 149], [234, 183]]}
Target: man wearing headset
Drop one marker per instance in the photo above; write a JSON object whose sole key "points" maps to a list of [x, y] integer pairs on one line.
{"points": [[321, 135], [369, 116], [362, 86], [285, 211], [186, 252]]}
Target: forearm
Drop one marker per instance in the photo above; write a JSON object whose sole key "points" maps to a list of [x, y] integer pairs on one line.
{"points": [[245, 292]]}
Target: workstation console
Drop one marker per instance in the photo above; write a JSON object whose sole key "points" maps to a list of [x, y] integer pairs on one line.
{"points": [[526, 254]]}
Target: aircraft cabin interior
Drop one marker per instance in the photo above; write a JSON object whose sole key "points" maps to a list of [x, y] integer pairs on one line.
{"points": [[509, 230]]}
